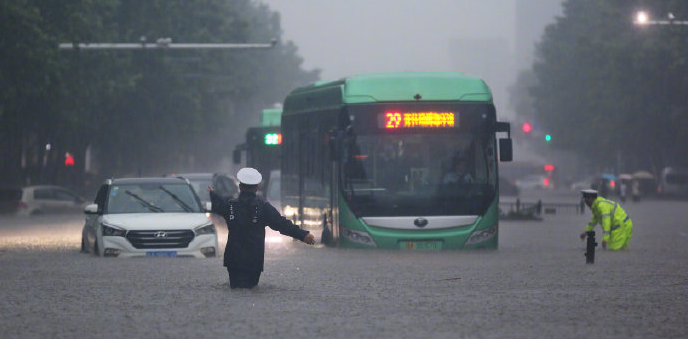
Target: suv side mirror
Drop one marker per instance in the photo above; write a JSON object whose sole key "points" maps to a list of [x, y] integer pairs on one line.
{"points": [[91, 209]]}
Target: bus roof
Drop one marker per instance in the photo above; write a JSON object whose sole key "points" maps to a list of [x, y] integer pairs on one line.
{"points": [[386, 87], [271, 117]]}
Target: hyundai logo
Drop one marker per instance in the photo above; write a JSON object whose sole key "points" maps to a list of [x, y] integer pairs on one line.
{"points": [[420, 222], [160, 234]]}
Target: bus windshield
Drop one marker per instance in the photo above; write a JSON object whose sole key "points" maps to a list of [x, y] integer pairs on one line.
{"points": [[419, 174]]}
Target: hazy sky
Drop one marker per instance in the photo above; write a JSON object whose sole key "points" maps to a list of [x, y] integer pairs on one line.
{"points": [[484, 38], [347, 37]]}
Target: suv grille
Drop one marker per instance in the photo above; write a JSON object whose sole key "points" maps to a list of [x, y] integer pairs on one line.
{"points": [[160, 239]]}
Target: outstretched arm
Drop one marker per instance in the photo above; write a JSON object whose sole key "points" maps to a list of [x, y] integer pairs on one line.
{"points": [[281, 224], [309, 239]]}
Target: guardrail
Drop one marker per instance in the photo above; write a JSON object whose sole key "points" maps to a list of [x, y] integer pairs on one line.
{"points": [[534, 210]]}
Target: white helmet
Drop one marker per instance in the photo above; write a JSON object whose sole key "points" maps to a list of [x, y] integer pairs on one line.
{"points": [[249, 176], [589, 193]]}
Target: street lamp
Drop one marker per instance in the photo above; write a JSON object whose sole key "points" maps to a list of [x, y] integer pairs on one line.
{"points": [[643, 19]]}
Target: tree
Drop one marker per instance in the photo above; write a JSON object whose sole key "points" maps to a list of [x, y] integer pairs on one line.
{"points": [[606, 88], [139, 112]]}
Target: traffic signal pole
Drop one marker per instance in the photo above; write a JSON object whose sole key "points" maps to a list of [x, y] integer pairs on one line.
{"points": [[162, 43]]}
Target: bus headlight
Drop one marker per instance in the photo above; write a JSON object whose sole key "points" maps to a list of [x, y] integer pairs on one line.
{"points": [[482, 235], [358, 237]]}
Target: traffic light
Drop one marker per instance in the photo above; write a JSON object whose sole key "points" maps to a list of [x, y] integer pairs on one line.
{"points": [[273, 138], [527, 127], [548, 137], [549, 167], [69, 160]]}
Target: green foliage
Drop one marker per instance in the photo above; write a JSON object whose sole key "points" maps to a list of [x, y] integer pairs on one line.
{"points": [[604, 86], [138, 112]]}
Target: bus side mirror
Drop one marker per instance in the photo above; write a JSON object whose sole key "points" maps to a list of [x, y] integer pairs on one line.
{"points": [[505, 150], [236, 156]]}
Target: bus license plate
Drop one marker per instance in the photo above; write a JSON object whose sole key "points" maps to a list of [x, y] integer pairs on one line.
{"points": [[161, 254], [421, 245]]}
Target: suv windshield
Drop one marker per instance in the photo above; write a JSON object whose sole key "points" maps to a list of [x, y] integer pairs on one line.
{"points": [[152, 198]]}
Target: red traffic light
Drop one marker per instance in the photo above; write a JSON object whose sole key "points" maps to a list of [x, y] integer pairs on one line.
{"points": [[527, 127], [549, 167], [69, 160]]}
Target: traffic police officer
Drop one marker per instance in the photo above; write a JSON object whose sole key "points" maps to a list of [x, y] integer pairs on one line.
{"points": [[617, 227], [246, 218]]}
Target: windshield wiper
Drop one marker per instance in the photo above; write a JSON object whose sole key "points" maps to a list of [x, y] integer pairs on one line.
{"points": [[144, 202], [177, 200]]}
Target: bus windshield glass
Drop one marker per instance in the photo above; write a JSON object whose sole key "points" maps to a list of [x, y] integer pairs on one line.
{"points": [[420, 171]]}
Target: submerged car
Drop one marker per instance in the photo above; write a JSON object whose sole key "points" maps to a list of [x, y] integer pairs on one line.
{"points": [[39, 199], [507, 187], [144, 217], [533, 182]]}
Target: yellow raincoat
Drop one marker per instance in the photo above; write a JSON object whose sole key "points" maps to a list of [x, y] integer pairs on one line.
{"points": [[617, 227]]}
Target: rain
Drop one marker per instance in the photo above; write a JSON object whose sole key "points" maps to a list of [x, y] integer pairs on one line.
{"points": [[422, 229]]}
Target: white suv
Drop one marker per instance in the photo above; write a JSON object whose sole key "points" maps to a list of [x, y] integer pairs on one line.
{"points": [[139, 217]]}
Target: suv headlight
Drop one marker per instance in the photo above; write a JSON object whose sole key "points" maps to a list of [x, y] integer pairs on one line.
{"points": [[112, 231], [205, 229]]}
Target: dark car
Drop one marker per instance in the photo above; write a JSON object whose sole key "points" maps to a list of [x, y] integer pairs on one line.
{"points": [[507, 188], [224, 185]]}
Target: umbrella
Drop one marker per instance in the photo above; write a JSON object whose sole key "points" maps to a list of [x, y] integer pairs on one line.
{"points": [[609, 176], [643, 175], [625, 176]]}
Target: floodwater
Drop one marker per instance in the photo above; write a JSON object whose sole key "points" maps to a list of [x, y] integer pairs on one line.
{"points": [[536, 285]]}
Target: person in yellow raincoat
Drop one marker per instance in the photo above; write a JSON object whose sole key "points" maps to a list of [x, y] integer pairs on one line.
{"points": [[617, 227]]}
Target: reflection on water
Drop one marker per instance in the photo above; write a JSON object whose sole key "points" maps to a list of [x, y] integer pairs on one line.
{"points": [[63, 233], [41, 233]]}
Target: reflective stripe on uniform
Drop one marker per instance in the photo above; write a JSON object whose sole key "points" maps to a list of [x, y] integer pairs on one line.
{"points": [[615, 227], [614, 209]]}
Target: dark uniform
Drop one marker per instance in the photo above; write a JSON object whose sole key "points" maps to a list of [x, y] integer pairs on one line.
{"points": [[246, 218]]}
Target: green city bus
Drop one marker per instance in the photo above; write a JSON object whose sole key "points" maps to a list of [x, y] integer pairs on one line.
{"points": [[262, 145], [366, 161]]}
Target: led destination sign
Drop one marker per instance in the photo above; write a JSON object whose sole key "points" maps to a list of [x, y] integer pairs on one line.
{"points": [[273, 139], [406, 120]]}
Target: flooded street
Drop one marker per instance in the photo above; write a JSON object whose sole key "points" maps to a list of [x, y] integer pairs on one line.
{"points": [[536, 285]]}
